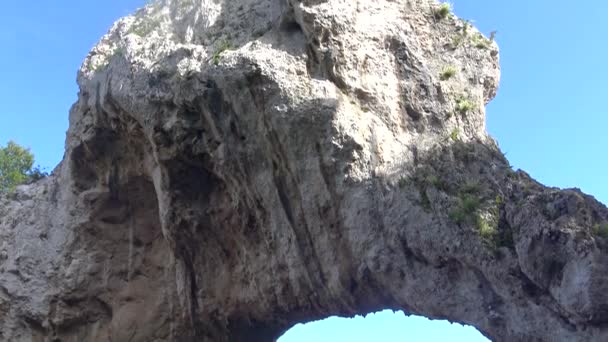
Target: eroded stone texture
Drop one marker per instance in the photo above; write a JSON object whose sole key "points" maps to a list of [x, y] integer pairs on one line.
{"points": [[235, 167]]}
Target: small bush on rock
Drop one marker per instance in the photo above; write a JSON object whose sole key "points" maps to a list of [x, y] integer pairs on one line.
{"points": [[600, 230], [224, 46], [448, 72], [464, 105], [443, 11]]}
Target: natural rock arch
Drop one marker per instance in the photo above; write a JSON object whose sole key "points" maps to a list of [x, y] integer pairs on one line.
{"points": [[319, 166]]}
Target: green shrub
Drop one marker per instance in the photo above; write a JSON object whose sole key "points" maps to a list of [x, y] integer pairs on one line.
{"points": [[139, 30], [223, 46], [443, 11], [470, 203], [460, 37], [422, 179], [118, 51], [487, 230], [466, 25], [464, 105], [37, 173], [463, 152], [600, 230], [467, 206], [448, 72], [437, 183], [457, 40], [455, 135], [471, 187], [144, 27], [100, 66], [493, 238], [480, 42], [499, 200], [484, 214]]}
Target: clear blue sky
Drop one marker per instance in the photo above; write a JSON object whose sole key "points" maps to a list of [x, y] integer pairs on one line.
{"points": [[550, 115]]}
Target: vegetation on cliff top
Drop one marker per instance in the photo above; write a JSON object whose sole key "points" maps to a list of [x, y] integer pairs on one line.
{"points": [[16, 167]]}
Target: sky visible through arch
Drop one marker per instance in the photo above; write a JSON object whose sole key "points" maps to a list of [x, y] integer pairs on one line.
{"points": [[550, 115]]}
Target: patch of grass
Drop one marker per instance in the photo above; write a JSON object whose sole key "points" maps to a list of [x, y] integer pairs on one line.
{"points": [[144, 27], [458, 216], [484, 214], [457, 40], [119, 51], [427, 177], [465, 211], [464, 152], [477, 210], [455, 135], [471, 187], [223, 46], [494, 233], [443, 11], [464, 105], [466, 25], [480, 42], [99, 67], [469, 211], [423, 179], [499, 200], [448, 72], [139, 31], [437, 183], [470, 203], [487, 230], [460, 37], [600, 230]]}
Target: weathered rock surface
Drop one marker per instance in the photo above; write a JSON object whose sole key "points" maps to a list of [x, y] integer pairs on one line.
{"points": [[235, 167]]}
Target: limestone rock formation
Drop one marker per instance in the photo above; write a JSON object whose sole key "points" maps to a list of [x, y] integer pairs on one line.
{"points": [[235, 167]]}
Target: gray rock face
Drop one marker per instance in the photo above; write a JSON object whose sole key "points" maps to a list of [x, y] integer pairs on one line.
{"points": [[233, 168]]}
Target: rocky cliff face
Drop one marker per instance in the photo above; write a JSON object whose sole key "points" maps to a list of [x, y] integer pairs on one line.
{"points": [[235, 167]]}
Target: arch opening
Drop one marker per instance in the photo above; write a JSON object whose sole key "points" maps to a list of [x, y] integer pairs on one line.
{"points": [[387, 326]]}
